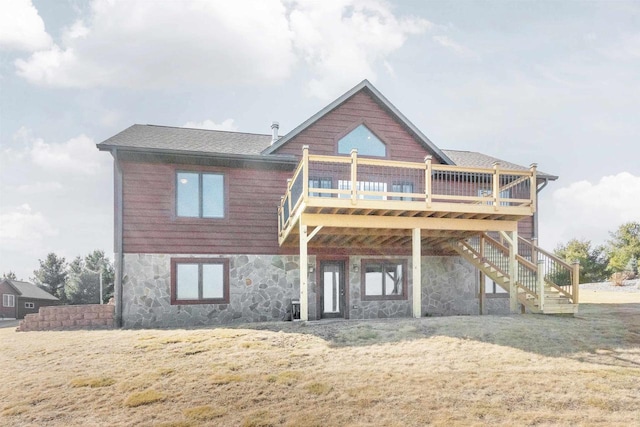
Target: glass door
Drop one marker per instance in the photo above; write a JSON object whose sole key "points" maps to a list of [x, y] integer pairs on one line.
{"points": [[332, 298]]}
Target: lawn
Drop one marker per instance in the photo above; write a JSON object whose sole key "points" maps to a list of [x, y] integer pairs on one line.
{"points": [[499, 370]]}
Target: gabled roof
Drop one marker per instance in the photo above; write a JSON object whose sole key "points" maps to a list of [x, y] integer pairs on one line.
{"points": [[474, 159], [379, 97], [29, 290]]}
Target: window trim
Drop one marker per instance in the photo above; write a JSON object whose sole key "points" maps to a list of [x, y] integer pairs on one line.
{"points": [[363, 284], [30, 305], [10, 297], [225, 195], [199, 262]]}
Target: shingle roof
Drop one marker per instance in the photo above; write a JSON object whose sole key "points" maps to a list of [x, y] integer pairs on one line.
{"points": [[176, 139], [479, 160], [187, 139], [29, 290]]}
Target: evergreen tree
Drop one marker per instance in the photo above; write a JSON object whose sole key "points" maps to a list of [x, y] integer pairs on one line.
{"points": [[593, 261], [624, 248], [52, 275]]}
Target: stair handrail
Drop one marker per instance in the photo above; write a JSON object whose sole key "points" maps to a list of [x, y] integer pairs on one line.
{"points": [[558, 274]]}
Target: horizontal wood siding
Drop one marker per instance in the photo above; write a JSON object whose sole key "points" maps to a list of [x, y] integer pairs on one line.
{"points": [[322, 136], [525, 228], [250, 226]]}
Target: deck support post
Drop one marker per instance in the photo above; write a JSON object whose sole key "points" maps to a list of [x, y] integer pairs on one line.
{"points": [[416, 262], [304, 272], [575, 281], [483, 277], [483, 289]]}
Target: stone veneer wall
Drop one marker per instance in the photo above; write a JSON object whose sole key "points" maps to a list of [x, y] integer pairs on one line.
{"points": [[262, 286], [449, 286], [260, 289]]}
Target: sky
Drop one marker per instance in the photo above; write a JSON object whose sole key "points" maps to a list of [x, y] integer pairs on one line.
{"points": [[556, 83]]}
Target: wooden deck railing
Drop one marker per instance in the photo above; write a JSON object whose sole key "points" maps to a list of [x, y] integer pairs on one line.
{"points": [[352, 181]]}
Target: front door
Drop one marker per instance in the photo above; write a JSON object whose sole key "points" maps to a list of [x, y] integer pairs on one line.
{"points": [[332, 296]]}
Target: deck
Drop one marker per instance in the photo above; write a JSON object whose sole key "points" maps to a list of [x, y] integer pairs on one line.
{"points": [[364, 202]]}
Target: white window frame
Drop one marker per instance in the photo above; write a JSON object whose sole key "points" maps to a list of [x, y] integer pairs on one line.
{"points": [[364, 186], [8, 300], [29, 305]]}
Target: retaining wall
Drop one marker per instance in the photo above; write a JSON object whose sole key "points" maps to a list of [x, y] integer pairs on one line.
{"points": [[66, 317]]}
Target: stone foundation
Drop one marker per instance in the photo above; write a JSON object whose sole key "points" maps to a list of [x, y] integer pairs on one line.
{"points": [[261, 288]]}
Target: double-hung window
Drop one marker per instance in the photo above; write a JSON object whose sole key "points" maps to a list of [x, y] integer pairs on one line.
{"points": [[200, 195], [8, 300], [384, 279], [199, 281]]}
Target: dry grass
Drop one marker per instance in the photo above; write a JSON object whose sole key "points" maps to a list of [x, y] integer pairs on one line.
{"points": [[502, 370]]}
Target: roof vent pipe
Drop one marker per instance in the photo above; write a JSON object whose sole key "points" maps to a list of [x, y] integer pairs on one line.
{"points": [[274, 132]]}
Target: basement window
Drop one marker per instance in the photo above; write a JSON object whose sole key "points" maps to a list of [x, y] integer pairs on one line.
{"points": [[383, 279], [29, 305], [199, 281], [8, 300]]}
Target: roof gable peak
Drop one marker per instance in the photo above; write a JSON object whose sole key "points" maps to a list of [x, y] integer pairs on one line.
{"points": [[381, 99]]}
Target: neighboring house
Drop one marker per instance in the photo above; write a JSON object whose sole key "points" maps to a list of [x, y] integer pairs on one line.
{"points": [[21, 298], [355, 213]]}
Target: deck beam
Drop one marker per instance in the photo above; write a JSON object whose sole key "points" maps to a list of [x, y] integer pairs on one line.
{"points": [[394, 222]]}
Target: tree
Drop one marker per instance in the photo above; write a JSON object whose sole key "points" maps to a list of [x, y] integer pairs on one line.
{"points": [[10, 275], [593, 261], [624, 248], [52, 275], [83, 282]]}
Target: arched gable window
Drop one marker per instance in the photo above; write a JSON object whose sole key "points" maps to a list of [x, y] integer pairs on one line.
{"points": [[364, 141]]}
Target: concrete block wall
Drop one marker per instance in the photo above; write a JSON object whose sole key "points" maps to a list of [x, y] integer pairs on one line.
{"points": [[66, 317]]}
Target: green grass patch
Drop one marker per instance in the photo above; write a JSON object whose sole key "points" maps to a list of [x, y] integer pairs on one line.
{"points": [[259, 419], [220, 379], [92, 382], [143, 398], [318, 388], [204, 413], [14, 410]]}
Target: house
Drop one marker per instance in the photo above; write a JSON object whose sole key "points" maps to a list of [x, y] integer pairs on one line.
{"points": [[355, 213], [21, 298]]}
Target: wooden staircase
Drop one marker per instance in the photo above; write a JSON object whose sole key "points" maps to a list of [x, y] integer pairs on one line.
{"points": [[544, 283]]}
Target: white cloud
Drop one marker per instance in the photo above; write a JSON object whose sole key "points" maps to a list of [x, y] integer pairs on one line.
{"points": [[459, 49], [21, 27], [228, 124], [591, 210], [135, 44], [77, 155], [39, 187], [342, 41], [21, 229]]}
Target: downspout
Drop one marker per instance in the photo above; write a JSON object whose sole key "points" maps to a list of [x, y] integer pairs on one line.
{"points": [[118, 244], [535, 214]]}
